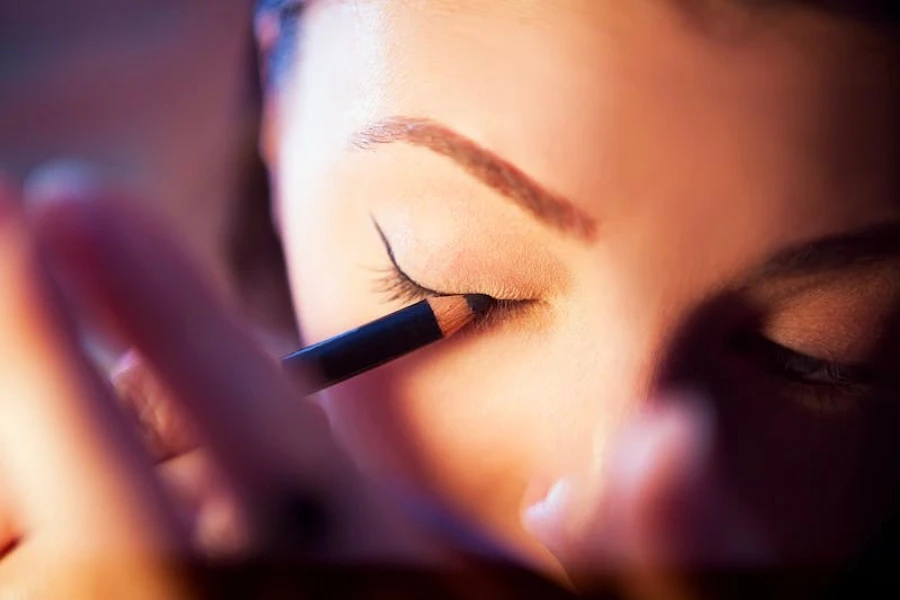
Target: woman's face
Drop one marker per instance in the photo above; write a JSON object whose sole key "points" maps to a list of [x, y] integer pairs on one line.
{"points": [[670, 194]]}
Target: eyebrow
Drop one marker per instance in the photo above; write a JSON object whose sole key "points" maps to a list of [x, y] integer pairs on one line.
{"points": [[487, 167], [863, 248]]}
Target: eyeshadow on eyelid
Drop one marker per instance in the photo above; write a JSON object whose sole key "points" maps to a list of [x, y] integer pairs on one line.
{"points": [[474, 282], [398, 285], [466, 257], [513, 277], [523, 317], [839, 320]]}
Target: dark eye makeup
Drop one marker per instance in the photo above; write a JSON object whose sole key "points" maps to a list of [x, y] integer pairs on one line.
{"points": [[822, 384], [802, 367], [395, 283], [398, 286]]}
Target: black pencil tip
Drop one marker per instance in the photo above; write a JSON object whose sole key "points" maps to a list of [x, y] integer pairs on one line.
{"points": [[479, 303]]}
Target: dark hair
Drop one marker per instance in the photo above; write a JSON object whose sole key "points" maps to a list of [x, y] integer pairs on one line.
{"points": [[279, 58], [288, 12], [883, 11], [252, 251]]}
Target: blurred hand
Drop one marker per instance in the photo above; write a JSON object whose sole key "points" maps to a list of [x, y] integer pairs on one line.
{"points": [[253, 471], [83, 510]]}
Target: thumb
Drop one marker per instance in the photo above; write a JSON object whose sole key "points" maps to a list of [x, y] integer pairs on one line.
{"points": [[655, 512]]}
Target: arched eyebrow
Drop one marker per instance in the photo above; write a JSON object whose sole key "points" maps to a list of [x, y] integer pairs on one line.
{"points": [[869, 246], [487, 167]]}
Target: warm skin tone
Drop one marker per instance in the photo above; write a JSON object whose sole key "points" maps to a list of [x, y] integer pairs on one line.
{"points": [[83, 512], [665, 201], [699, 145]]}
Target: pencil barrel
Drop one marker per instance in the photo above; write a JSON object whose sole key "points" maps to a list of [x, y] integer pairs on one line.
{"points": [[358, 350]]}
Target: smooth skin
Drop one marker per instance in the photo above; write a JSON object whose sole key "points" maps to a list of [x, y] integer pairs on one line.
{"points": [[703, 143], [85, 513], [708, 141]]}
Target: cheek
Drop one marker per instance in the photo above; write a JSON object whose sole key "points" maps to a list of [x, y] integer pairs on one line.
{"points": [[465, 404], [470, 422], [475, 419], [333, 254]]}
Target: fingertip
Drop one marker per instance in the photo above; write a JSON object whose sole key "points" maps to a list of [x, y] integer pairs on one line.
{"points": [[668, 494], [560, 520], [671, 439], [126, 363], [540, 517]]}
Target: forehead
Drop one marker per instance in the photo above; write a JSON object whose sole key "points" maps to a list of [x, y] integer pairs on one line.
{"points": [[735, 133], [787, 71], [782, 107]]}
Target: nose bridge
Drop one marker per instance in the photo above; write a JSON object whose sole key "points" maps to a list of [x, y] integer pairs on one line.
{"points": [[667, 342], [622, 339], [615, 359], [639, 323]]}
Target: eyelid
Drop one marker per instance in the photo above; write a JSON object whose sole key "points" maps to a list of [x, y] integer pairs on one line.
{"points": [[783, 358], [397, 279], [507, 296], [814, 384], [397, 267]]}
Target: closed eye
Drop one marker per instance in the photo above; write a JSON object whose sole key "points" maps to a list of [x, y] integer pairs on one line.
{"points": [[399, 286], [396, 283], [821, 385], [800, 367]]}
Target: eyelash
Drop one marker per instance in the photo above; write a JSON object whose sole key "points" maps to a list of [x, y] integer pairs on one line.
{"points": [[823, 385], [397, 286]]}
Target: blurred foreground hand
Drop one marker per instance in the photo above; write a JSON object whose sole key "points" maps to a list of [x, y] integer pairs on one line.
{"points": [[84, 511]]}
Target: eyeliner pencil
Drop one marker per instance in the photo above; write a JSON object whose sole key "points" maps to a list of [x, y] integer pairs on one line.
{"points": [[374, 344]]}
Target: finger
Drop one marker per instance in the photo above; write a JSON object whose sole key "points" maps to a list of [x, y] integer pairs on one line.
{"points": [[202, 499], [207, 507], [683, 530], [128, 264], [658, 481], [76, 475], [214, 516], [663, 520], [166, 432]]}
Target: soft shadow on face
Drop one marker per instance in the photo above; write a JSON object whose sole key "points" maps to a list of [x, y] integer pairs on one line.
{"points": [[637, 143], [818, 486], [364, 409]]}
